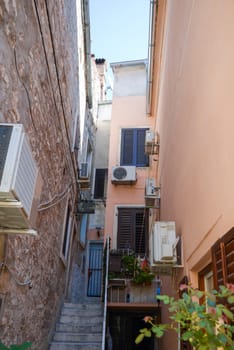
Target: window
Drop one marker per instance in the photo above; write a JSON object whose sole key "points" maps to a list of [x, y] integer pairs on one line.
{"points": [[133, 147], [67, 234], [222, 259], [206, 280], [100, 183], [133, 230]]}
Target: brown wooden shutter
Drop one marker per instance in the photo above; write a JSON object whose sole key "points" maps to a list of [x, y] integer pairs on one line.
{"points": [[125, 229], [140, 233], [133, 230], [223, 260]]}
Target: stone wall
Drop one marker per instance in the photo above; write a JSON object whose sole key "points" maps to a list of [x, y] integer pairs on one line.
{"points": [[38, 88]]}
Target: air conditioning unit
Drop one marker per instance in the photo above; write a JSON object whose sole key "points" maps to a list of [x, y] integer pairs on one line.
{"points": [[151, 143], [18, 175], [151, 190], [152, 193], [84, 171], [164, 242], [124, 175], [149, 137]]}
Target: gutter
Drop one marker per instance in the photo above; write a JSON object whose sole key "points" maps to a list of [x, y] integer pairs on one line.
{"points": [[132, 63], [87, 52], [151, 46]]}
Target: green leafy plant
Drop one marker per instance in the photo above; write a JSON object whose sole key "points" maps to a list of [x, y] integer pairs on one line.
{"points": [[202, 318], [23, 346], [129, 264], [140, 272]]}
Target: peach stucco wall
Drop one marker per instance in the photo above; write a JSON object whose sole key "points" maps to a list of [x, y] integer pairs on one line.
{"points": [[128, 111], [195, 122]]}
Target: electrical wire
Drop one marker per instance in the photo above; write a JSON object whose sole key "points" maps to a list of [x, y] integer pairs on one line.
{"points": [[25, 283], [70, 160], [56, 199]]}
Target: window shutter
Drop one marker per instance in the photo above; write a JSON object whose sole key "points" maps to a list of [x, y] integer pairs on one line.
{"points": [[223, 259], [133, 147], [133, 230], [140, 233], [125, 229], [99, 183], [127, 147], [141, 157]]}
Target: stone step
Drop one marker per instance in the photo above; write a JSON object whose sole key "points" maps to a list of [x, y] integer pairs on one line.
{"points": [[81, 311], [81, 319], [75, 346], [78, 328], [78, 337], [82, 306]]}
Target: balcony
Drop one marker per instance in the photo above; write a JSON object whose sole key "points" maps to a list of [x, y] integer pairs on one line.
{"points": [[130, 281]]}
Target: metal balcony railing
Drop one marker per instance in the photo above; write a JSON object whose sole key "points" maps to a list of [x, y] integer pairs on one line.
{"points": [[105, 288]]}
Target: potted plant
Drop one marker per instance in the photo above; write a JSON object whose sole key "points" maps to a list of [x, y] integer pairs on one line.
{"points": [[138, 270], [129, 265], [203, 319]]}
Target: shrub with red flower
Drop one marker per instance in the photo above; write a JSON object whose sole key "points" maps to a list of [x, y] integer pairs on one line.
{"points": [[198, 317]]}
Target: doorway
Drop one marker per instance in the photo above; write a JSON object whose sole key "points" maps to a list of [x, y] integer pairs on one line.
{"points": [[124, 327], [95, 269]]}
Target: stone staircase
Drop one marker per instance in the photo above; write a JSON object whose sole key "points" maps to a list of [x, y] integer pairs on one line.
{"points": [[79, 327]]}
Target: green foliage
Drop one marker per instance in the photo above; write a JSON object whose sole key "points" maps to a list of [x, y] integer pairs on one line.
{"points": [[201, 318], [134, 270], [143, 277], [129, 264], [23, 346]]}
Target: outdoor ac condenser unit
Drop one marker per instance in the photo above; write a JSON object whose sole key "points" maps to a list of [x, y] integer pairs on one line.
{"points": [[18, 174], [164, 241], [124, 175], [151, 190], [149, 138], [151, 142], [152, 193]]}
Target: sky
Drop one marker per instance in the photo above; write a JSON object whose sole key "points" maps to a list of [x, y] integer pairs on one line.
{"points": [[119, 29]]}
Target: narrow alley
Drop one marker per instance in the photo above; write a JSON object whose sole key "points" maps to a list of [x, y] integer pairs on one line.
{"points": [[116, 214]]}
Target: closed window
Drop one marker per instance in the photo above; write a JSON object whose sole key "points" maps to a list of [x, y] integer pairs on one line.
{"points": [[223, 259], [133, 147], [133, 230]]}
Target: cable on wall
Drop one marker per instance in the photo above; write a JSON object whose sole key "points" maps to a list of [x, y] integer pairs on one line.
{"points": [[69, 160], [19, 283]]}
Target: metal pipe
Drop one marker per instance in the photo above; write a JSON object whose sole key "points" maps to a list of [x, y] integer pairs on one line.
{"points": [[88, 53], [151, 45]]}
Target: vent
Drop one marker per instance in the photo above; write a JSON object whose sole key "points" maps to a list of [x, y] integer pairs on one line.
{"points": [[120, 173], [18, 175], [124, 175]]}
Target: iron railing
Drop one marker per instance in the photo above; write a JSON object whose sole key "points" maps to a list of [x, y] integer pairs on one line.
{"points": [[105, 289]]}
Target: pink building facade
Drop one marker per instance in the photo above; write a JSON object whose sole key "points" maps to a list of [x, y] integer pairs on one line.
{"points": [[128, 114], [191, 103]]}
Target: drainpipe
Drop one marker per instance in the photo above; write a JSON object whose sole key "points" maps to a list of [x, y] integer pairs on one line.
{"points": [[151, 45], [87, 52]]}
